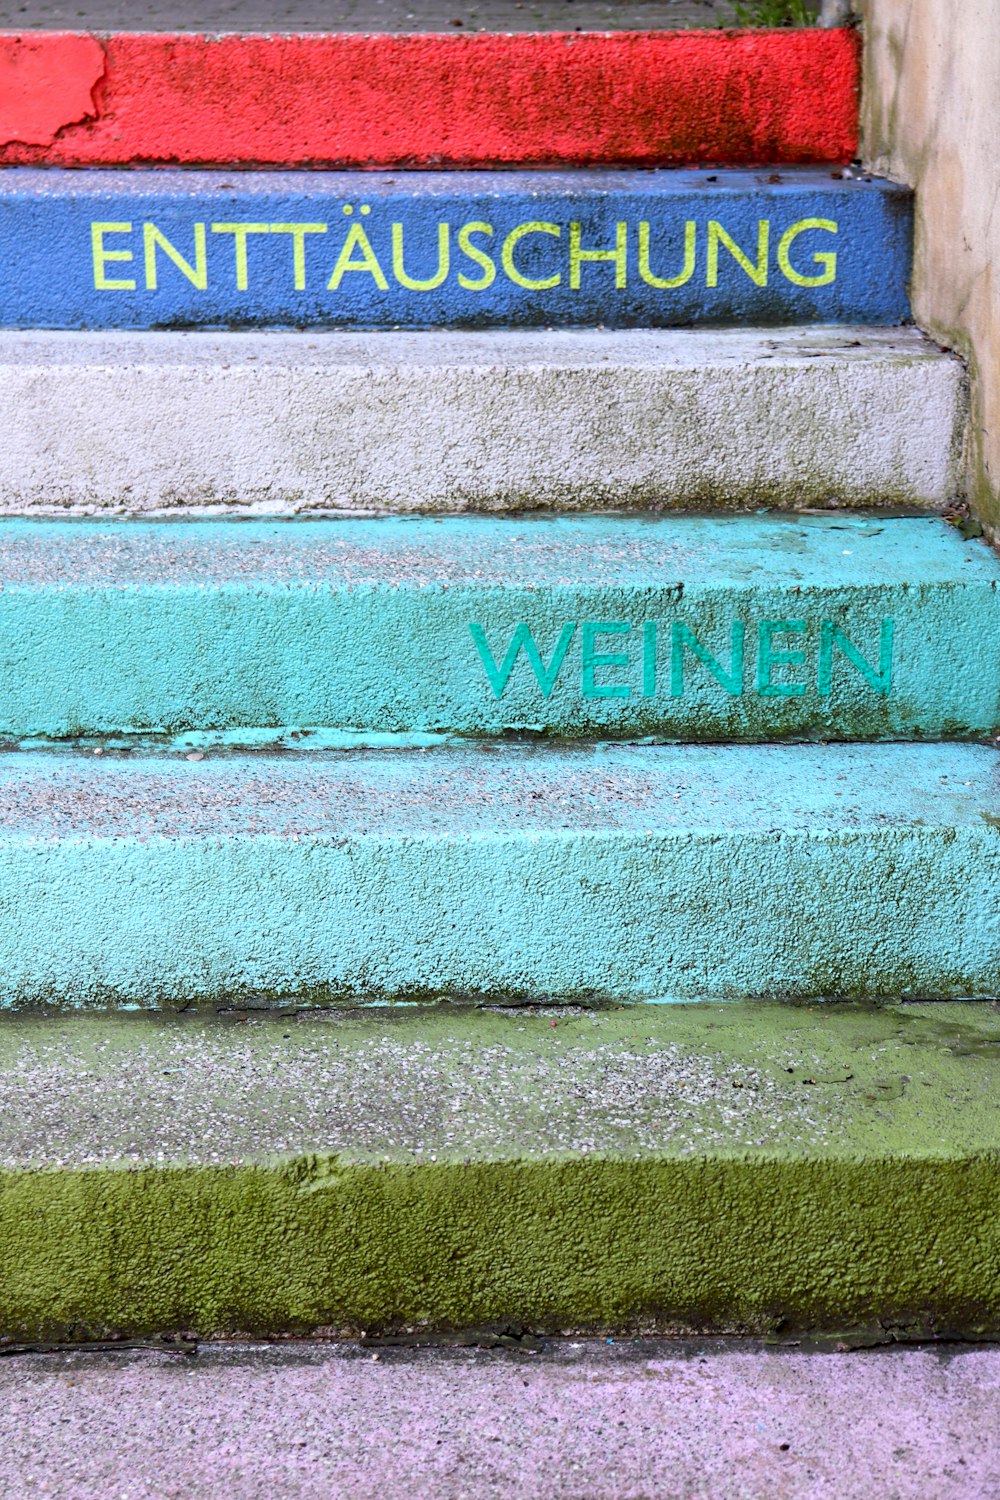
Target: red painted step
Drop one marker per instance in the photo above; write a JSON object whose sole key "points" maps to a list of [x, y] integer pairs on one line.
{"points": [[640, 98]]}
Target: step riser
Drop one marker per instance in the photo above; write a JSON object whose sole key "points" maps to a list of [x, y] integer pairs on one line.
{"points": [[166, 249], [290, 1247], [463, 421], [625, 875], [369, 101], [741, 629], [619, 920]]}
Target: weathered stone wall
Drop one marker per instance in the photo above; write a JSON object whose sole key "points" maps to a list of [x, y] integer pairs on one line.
{"points": [[931, 117]]}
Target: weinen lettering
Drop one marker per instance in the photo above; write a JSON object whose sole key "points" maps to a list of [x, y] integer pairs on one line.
{"points": [[621, 659]]}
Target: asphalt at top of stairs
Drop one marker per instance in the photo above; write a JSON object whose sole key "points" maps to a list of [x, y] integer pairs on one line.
{"points": [[362, 15], [746, 1168]]}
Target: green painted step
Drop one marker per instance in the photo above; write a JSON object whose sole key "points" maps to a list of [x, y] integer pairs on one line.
{"points": [[588, 873], [741, 1168], [696, 628]]}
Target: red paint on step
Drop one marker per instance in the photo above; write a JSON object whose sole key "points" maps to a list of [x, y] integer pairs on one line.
{"points": [[47, 83], [487, 99]]}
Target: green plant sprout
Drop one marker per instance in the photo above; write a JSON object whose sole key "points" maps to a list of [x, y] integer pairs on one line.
{"points": [[775, 13]]}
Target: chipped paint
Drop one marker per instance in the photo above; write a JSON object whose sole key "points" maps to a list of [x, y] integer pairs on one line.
{"points": [[47, 86]]}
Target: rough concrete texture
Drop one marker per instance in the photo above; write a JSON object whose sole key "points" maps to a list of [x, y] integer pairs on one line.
{"points": [[629, 1420], [745, 1167], [167, 249], [479, 421], [932, 118], [365, 15], [694, 628], [646, 98], [607, 873]]}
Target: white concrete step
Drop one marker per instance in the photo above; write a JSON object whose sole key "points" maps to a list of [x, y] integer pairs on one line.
{"points": [[449, 421]]}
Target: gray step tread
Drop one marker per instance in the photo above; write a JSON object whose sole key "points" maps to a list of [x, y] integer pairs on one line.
{"points": [[665, 792], [480, 554], [408, 351], [488, 1420]]}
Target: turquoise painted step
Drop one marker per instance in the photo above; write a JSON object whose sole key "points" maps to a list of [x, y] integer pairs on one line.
{"points": [[723, 628], [589, 874]]}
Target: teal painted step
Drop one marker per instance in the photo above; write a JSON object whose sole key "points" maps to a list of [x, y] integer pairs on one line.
{"points": [[607, 873], [712, 629]]}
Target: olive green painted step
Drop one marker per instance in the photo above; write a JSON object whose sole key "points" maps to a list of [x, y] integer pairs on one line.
{"points": [[705, 1167]]}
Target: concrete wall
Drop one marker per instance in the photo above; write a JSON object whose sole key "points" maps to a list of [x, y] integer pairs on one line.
{"points": [[931, 117]]}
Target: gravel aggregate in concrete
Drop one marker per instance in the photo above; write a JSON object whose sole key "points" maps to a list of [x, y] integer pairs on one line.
{"points": [[419, 1085], [629, 1420], [218, 1092]]}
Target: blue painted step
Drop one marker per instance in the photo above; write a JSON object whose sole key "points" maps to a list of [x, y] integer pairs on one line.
{"points": [[162, 249], [711, 628], [615, 873]]}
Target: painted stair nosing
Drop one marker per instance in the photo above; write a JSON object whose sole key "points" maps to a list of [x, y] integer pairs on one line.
{"points": [[751, 1168], [755, 628], [486, 420], [648, 98], [586, 874], [169, 249]]}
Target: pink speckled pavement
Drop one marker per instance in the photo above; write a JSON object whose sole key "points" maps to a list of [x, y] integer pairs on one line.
{"points": [[572, 1421]]}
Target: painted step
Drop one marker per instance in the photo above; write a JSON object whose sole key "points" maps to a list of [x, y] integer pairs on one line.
{"points": [[693, 628], [448, 249], [751, 1168], [480, 421], [647, 98], [589, 874]]}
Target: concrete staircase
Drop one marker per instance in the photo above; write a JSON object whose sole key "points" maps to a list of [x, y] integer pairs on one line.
{"points": [[362, 645]]}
